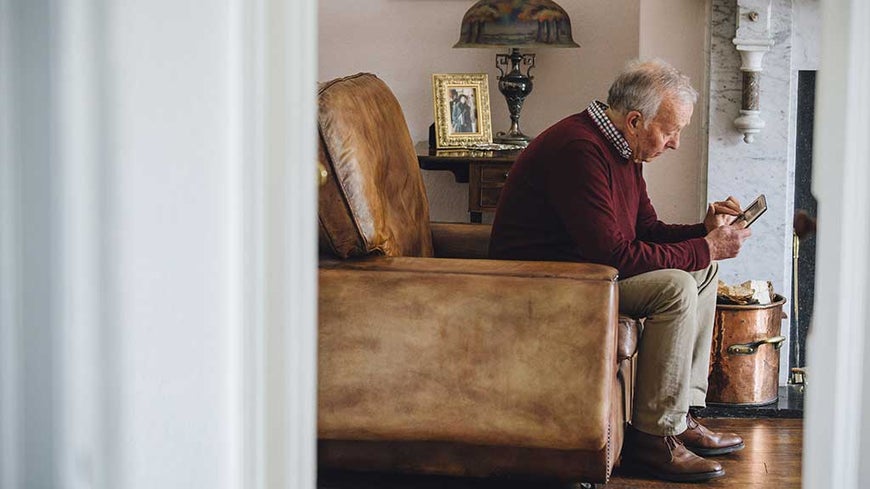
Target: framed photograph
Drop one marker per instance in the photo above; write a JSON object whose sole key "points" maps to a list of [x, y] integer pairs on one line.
{"points": [[462, 117]]}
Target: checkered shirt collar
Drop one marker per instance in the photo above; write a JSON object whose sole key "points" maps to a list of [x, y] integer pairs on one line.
{"points": [[611, 133]]}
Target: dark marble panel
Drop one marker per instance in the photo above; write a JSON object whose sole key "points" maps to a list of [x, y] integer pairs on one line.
{"points": [[802, 299], [790, 404]]}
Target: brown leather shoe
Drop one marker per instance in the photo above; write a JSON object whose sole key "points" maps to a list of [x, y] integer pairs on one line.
{"points": [[702, 441], [666, 458]]}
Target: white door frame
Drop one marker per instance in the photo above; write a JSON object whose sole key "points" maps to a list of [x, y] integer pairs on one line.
{"points": [[275, 261], [9, 272], [836, 451], [283, 213]]}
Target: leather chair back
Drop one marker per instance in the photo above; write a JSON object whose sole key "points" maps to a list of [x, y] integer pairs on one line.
{"points": [[374, 201]]}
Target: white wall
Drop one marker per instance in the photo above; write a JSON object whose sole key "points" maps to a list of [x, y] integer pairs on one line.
{"points": [[171, 124], [806, 35], [405, 41], [676, 30], [158, 251]]}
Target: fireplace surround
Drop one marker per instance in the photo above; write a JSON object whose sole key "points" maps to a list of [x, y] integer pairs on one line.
{"points": [[767, 164]]}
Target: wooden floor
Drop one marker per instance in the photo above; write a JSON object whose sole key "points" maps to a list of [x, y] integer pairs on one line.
{"points": [[771, 459]]}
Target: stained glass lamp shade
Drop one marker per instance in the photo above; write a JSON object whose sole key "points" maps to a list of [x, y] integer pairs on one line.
{"points": [[513, 24]]}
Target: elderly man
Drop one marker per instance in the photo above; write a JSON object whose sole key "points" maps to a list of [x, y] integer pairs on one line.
{"points": [[577, 193]]}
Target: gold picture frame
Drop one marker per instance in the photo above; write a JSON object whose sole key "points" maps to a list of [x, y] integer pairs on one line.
{"points": [[461, 102]]}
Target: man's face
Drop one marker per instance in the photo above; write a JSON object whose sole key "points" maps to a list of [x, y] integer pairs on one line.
{"points": [[663, 131]]}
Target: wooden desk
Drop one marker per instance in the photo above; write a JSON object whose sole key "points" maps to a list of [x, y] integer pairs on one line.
{"points": [[484, 171]]}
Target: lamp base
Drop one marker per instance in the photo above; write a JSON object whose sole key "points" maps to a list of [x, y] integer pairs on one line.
{"points": [[515, 86], [513, 138]]}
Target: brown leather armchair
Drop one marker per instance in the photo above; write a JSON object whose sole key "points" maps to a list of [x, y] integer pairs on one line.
{"points": [[434, 359]]}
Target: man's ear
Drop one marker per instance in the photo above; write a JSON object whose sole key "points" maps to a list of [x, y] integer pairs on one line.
{"points": [[633, 120]]}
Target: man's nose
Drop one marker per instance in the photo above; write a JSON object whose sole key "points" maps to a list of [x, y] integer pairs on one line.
{"points": [[674, 142]]}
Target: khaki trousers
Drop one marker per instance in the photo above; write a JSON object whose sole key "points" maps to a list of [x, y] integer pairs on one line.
{"points": [[674, 349]]}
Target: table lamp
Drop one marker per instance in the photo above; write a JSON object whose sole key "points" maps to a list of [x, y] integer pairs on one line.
{"points": [[514, 24]]}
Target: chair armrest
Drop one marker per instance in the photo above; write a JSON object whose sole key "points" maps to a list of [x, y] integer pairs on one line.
{"points": [[483, 352], [460, 240], [630, 329]]}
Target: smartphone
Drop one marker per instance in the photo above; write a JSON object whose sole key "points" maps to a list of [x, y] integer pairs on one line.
{"points": [[753, 212]]}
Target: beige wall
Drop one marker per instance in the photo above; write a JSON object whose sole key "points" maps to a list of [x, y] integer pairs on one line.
{"points": [[405, 41], [676, 30]]}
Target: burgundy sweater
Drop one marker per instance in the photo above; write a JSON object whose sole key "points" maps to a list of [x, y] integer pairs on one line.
{"points": [[570, 196]]}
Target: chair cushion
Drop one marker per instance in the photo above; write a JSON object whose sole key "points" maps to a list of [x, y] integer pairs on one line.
{"points": [[374, 201]]}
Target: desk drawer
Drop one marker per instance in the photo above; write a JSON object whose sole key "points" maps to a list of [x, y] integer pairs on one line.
{"points": [[494, 173], [486, 182], [484, 171], [489, 197]]}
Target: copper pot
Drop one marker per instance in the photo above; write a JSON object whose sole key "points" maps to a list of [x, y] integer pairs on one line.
{"points": [[744, 360]]}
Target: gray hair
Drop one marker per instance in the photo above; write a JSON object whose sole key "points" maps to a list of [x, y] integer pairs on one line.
{"points": [[642, 85]]}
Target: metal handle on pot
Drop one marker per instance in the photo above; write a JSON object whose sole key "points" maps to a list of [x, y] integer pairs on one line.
{"points": [[750, 348]]}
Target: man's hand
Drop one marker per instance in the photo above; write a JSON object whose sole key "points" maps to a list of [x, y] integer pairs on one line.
{"points": [[725, 241], [721, 213]]}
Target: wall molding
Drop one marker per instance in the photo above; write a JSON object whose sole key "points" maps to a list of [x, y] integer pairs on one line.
{"points": [[78, 142], [281, 203], [10, 272]]}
